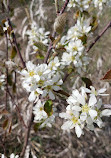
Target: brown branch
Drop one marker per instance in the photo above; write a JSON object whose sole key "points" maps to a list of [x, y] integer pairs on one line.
{"points": [[63, 93], [17, 108], [26, 139], [6, 69], [64, 7], [16, 44], [99, 36], [54, 33]]}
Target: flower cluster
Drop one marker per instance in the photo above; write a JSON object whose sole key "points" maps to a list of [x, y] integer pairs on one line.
{"points": [[42, 79], [75, 50], [84, 110], [84, 5], [36, 34], [42, 117]]}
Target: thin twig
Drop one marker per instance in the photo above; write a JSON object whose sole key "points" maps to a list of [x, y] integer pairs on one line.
{"points": [[64, 7], [99, 36], [57, 7], [27, 133], [17, 108], [16, 44], [6, 69]]}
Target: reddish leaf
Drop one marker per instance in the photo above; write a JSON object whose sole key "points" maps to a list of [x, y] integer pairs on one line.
{"points": [[107, 77], [5, 124]]}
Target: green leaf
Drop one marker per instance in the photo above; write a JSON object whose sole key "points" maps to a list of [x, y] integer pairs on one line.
{"points": [[41, 46], [13, 52], [87, 81], [36, 126], [40, 56], [48, 107], [83, 39]]}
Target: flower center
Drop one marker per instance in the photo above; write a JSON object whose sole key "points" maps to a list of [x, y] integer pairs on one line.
{"points": [[85, 108], [74, 120], [41, 108], [31, 73]]}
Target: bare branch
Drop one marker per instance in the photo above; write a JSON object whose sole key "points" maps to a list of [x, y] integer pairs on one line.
{"points": [[64, 7], [99, 36]]}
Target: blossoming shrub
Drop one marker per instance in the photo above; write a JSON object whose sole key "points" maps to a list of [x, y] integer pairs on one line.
{"points": [[61, 52]]}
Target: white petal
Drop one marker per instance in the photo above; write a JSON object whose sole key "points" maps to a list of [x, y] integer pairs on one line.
{"points": [[78, 131], [81, 99], [102, 90], [92, 100], [67, 125], [106, 112], [86, 90], [99, 122], [89, 120], [83, 116], [32, 96], [51, 95], [76, 108], [93, 113]]}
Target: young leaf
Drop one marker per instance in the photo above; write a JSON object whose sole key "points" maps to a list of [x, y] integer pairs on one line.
{"points": [[13, 52], [41, 46], [5, 124], [48, 107], [87, 81], [107, 77]]}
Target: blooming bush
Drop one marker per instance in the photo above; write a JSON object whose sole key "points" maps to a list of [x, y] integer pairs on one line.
{"points": [[51, 60]]}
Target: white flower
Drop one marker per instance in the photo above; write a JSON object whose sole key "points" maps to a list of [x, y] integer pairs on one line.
{"points": [[51, 85], [5, 28], [75, 45], [42, 79], [14, 156], [83, 110], [99, 3], [10, 64], [35, 94], [73, 121], [37, 34], [54, 64], [30, 72], [95, 92], [39, 112], [50, 119]]}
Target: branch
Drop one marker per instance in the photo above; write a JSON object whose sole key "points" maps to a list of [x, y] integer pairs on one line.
{"points": [[54, 33], [13, 35], [57, 7], [16, 108], [27, 133], [64, 7], [99, 36], [16, 44], [6, 69]]}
